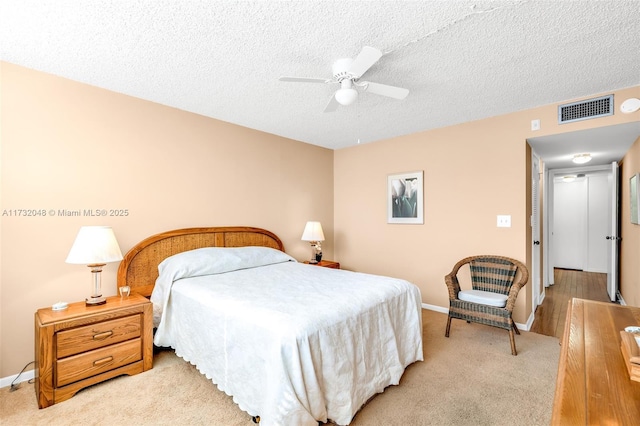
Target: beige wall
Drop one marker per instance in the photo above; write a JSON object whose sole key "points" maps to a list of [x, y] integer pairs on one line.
{"points": [[472, 172], [630, 233], [66, 145]]}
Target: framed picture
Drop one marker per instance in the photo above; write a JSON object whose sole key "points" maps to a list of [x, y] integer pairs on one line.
{"points": [[634, 184], [404, 198]]}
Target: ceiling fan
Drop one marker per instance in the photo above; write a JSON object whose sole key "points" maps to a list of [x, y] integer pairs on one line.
{"points": [[347, 73]]}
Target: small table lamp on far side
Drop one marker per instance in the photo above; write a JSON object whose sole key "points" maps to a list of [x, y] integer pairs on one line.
{"points": [[95, 246], [313, 233]]}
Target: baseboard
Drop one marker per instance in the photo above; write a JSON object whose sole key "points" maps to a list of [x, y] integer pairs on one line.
{"points": [[435, 308], [621, 300], [525, 327], [25, 376]]}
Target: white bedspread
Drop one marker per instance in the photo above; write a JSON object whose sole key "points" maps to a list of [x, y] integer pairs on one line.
{"points": [[292, 343]]}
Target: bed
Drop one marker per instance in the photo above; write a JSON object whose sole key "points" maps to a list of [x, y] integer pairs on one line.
{"points": [[293, 344]]}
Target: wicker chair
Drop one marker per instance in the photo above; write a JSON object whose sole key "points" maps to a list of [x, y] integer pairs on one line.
{"points": [[496, 281]]}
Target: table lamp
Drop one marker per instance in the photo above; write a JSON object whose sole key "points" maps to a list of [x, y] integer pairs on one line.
{"points": [[313, 233], [95, 246]]}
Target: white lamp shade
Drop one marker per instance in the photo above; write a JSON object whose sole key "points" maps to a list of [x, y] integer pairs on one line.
{"points": [[313, 232], [94, 245]]}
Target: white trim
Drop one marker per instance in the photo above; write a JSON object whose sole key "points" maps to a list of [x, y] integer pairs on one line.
{"points": [[527, 326], [621, 300], [537, 257], [25, 376], [547, 235], [435, 308]]}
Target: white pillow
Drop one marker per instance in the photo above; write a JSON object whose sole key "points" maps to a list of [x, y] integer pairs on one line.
{"points": [[217, 260], [483, 297], [208, 261]]}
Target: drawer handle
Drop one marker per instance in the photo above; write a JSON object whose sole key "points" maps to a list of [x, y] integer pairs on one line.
{"points": [[100, 362], [102, 336]]}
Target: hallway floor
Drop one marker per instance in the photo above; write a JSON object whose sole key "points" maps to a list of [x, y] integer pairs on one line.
{"points": [[551, 314]]}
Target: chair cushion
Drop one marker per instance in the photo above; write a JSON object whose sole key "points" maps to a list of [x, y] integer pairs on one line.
{"points": [[483, 297]]}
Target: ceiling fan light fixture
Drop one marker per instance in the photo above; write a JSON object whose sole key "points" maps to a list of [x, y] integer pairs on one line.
{"points": [[347, 72], [346, 96], [581, 158]]}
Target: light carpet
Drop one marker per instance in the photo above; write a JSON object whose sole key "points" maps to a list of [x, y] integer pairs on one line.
{"points": [[470, 378]]}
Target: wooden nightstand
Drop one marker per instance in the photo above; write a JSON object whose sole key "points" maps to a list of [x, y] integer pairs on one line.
{"points": [[81, 346], [326, 264]]}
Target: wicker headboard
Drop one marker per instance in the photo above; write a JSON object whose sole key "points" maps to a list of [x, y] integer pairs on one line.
{"points": [[139, 268]]}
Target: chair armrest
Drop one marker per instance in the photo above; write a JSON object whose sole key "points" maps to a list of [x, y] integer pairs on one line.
{"points": [[453, 286], [517, 285], [451, 279]]}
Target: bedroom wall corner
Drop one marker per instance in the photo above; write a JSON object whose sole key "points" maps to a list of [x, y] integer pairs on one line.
{"points": [[75, 151], [470, 177], [473, 172]]}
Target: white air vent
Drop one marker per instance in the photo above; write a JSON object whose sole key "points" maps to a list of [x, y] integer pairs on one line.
{"points": [[585, 110]]}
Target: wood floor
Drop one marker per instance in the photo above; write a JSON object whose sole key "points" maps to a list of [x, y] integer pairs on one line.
{"points": [[550, 315]]}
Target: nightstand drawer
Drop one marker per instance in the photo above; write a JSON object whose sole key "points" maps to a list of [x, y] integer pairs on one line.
{"points": [[82, 339], [84, 345], [78, 367]]}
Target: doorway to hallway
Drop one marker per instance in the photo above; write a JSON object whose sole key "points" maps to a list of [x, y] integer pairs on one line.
{"points": [[551, 315]]}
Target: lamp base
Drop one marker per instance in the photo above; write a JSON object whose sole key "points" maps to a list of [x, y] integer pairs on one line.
{"points": [[95, 301], [313, 261]]}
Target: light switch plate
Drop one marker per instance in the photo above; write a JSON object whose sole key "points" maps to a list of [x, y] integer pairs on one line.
{"points": [[504, 221]]}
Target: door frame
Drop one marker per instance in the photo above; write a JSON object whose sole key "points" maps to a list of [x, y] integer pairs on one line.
{"points": [[549, 178], [537, 175], [613, 284]]}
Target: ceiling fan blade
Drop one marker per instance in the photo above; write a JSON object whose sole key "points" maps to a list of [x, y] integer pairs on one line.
{"points": [[332, 105], [304, 80], [367, 57], [385, 90]]}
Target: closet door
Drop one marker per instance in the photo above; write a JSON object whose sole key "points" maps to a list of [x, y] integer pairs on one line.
{"points": [[570, 224]]}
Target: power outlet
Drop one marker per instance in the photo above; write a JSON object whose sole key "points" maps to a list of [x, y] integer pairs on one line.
{"points": [[504, 221]]}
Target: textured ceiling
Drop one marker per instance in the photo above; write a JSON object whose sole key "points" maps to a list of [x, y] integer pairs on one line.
{"points": [[461, 60]]}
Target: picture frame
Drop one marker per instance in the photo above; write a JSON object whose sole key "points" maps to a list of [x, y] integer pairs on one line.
{"points": [[634, 186], [405, 200]]}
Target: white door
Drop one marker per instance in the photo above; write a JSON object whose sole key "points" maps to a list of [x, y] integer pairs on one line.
{"points": [[570, 224], [599, 224], [614, 240], [535, 231], [547, 222]]}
